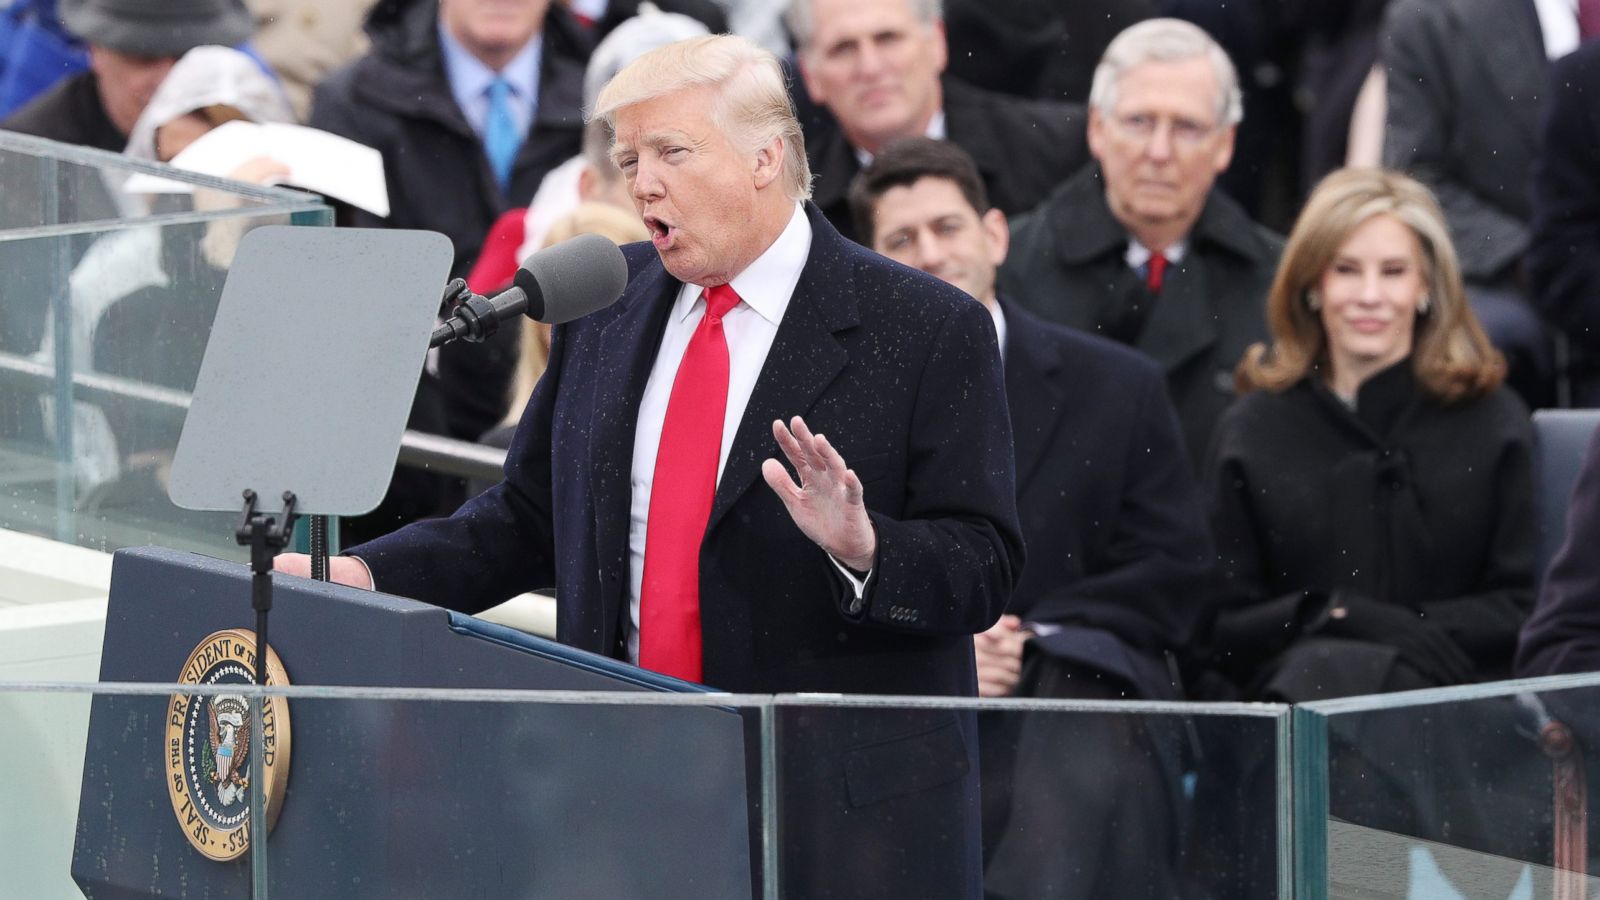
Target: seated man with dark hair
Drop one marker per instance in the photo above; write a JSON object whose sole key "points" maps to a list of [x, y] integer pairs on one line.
{"points": [[1118, 573]]}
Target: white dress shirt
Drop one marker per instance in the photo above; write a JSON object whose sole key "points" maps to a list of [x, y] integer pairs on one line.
{"points": [[764, 288], [1558, 26], [469, 82], [1138, 254], [999, 318]]}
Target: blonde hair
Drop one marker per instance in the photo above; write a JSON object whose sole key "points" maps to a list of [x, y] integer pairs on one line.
{"points": [[1451, 356], [752, 106], [618, 225]]}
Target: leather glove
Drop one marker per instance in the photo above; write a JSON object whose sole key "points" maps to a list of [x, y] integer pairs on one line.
{"points": [[1421, 643]]}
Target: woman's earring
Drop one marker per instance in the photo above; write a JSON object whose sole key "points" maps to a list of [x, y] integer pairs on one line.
{"points": [[1313, 300], [1424, 304]]}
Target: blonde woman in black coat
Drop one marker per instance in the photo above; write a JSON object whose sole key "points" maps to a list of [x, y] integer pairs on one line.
{"points": [[1371, 491]]}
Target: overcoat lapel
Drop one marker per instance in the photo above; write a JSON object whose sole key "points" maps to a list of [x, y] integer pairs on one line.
{"points": [[1182, 323], [1036, 396], [805, 358], [628, 351]]}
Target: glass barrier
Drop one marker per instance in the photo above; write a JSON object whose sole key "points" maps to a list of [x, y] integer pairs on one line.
{"points": [[1475, 791], [113, 269], [1069, 799], [423, 793]]}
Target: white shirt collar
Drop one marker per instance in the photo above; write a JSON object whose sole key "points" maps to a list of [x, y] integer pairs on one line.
{"points": [[1558, 25], [999, 317], [766, 284], [1138, 254], [469, 78]]}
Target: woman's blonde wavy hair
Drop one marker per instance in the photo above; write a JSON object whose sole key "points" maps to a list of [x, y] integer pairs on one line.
{"points": [[1450, 353]]}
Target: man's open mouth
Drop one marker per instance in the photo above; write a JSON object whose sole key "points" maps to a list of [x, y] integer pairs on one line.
{"points": [[660, 231]]}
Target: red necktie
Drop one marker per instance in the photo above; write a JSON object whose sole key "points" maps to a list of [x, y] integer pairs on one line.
{"points": [[1588, 19], [1156, 272], [684, 484]]}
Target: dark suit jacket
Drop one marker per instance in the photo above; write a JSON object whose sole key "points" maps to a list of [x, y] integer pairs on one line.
{"points": [[69, 112], [1111, 510], [1563, 634], [902, 373], [1023, 148], [1067, 265], [706, 12], [1464, 83], [1034, 49], [1564, 256]]}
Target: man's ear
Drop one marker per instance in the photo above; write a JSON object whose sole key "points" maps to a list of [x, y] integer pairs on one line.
{"points": [[813, 86], [941, 47], [586, 183], [768, 164], [1097, 133], [1225, 149], [998, 231]]}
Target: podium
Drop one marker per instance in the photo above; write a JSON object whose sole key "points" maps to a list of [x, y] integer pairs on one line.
{"points": [[399, 797]]}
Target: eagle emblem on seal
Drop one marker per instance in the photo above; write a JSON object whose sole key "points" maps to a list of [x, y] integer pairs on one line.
{"points": [[228, 750]]}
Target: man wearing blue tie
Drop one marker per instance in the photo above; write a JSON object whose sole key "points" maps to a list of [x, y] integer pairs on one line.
{"points": [[470, 102]]}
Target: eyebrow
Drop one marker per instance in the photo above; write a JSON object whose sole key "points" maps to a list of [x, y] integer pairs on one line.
{"points": [[1383, 261]]}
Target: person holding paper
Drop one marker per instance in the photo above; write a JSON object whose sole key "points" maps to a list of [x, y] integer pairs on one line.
{"points": [[753, 339], [210, 85]]}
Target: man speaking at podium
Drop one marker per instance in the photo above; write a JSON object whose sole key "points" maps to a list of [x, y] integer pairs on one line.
{"points": [[632, 483]]}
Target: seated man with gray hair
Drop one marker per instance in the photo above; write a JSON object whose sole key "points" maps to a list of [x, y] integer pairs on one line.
{"points": [[1139, 247], [749, 326]]}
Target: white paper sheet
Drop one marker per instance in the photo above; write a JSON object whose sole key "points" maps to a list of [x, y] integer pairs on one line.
{"points": [[317, 161]]}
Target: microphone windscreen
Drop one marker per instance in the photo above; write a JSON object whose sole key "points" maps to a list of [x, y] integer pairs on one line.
{"points": [[571, 279]]}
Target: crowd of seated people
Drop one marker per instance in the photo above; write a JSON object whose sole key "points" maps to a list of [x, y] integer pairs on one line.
{"points": [[1248, 468]]}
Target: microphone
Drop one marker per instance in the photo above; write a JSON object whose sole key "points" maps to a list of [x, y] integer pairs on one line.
{"points": [[557, 284]]}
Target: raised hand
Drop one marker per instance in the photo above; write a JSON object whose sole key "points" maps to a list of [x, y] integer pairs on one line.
{"points": [[827, 503]]}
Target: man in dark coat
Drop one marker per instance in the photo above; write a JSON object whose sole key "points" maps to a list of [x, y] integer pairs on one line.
{"points": [[870, 576], [874, 68], [421, 97], [1138, 247], [132, 45], [401, 99], [1464, 87], [1118, 580], [1563, 259]]}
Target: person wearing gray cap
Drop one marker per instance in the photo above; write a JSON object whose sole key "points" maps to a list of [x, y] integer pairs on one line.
{"points": [[132, 45]]}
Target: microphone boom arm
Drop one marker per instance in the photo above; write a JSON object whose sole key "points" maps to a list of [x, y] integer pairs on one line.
{"points": [[475, 317]]}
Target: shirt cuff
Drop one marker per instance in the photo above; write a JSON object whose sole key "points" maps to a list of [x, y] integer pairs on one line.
{"points": [[371, 582], [858, 583]]}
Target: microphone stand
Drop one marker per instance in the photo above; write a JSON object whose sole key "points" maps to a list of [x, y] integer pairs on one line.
{"points": [[473, 317], [265, 535]]}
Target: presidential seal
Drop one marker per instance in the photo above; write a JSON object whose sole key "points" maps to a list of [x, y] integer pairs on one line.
{"points": [[208, 745]]}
